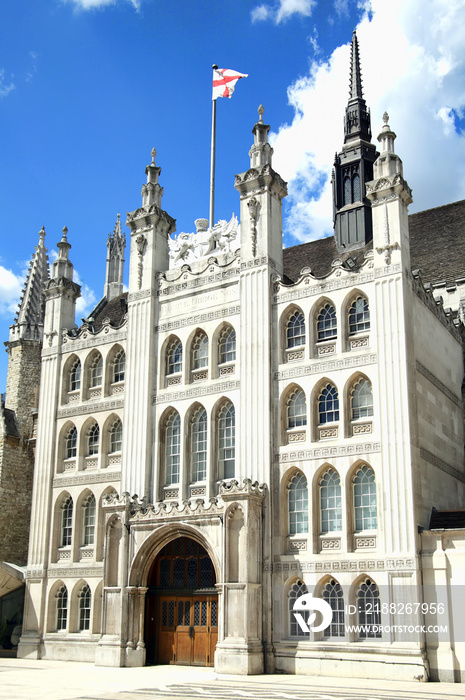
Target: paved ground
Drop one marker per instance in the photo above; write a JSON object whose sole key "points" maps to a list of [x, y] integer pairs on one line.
{"points": [[22, 679]]}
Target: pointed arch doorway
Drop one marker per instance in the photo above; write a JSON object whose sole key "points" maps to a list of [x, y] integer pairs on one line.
{"points": [[181, 606]]}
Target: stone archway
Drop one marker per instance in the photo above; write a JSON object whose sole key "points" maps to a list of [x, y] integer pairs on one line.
{"points": [[181, 611]]}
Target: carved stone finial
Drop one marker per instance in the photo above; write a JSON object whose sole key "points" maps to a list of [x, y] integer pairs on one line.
{"points": [[385, 117], [65, 231], [261, 110], [42, 232], [153, 154]]}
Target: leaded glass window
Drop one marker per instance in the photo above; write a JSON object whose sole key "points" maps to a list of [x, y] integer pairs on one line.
{"points": [[296, 409], [295, 330], [67, 522], [297, 590], [326, 325], [89, 521], [298, 505], [227, 346], [226, 441], [330, 502], [365, 508], [116, 436], [200, 351], [356, 188], [93, 439], [347, 191], [119, 366], [75, 376], [62, 608], [333, 595], [172, 448], [361, 400], [199, 446], [71, 443], [96, 371], [359, 316], [174, 357], [369, 610], [85, 600], [328, 405]]}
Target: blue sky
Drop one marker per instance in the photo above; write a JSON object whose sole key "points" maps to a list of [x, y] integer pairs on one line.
{"points": [[88, 87]]}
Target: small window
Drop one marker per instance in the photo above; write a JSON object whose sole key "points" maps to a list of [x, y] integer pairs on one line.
{"points": [[328, 405], [333, 595], [119, 367], [172, 448], [199, 446], [62, 608], [356, 188], [361, 400], [330, 502], [200, 351], [347, 191], [295, 330], [296, 409], [85, 600], [174, 357], [359, 316], [116, 436], [89, 521], [369, 610], [93, 438], [67, 522], [96, 371], [298, 589], [326, 327], [75, 376], [365, 508], [227, 346], [226, 441], [71, 443], [298, 505]]}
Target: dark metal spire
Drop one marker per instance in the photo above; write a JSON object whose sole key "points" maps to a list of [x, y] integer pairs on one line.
{"points": [[357, 120], [355, 87]]}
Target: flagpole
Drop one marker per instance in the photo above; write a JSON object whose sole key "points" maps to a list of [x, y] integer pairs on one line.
{"points": [[212, 163]]}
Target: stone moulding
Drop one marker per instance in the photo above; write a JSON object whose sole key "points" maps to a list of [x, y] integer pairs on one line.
{"points": [[356, 565], [232, 488]]}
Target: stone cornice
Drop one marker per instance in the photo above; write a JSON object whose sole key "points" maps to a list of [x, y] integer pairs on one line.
{"points": [[318, 367], [328, 452], [86, 478], [80, 409], [394, 564], [217, 388], [198, 319]]}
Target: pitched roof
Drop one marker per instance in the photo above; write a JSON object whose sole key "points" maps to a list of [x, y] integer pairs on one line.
{"points": [[447, 519], [113, 310]]}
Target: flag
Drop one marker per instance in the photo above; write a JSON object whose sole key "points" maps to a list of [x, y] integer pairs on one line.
{"points": [[224, 81]]}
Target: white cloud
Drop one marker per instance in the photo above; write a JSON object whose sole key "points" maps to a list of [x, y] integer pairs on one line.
{"points": [[99, 4], [413, 65], [5, 86], [10, 291], [86, 301], [282, 10]]}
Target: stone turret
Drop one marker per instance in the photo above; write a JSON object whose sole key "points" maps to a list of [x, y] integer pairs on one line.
{"points": [[353, 166], [116, 244]]}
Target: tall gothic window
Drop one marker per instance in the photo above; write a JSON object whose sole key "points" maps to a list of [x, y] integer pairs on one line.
{"points": [[326, 324], [174, 357], [330, 502], [295, 330], [75, 376], [200, 351], [67, 522], [71, 443], [96, 371], [298, 589], [369, 610], [359, 316], [365, 508], [116, 436], [356, 188], [61, 608], [172, 448], [333, 595], [199, 445], [119, 366], [298, 505], [88, 522], [93, 438], [328, 405], [296, 409], [227, 345], [361, 400], [347, 191], [85, 601], [226, 441]]}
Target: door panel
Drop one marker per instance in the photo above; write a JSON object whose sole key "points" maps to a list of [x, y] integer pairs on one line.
{"points": [[188, 630]]}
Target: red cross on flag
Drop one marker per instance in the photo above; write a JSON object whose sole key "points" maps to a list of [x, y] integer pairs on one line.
{"points": [[224, 81]]}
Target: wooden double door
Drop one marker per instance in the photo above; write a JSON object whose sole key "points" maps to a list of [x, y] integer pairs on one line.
{"points": [[187, 629]]}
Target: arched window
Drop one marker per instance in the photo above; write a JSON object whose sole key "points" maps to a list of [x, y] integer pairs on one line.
{"points": [[365, 499], [226, 441], [330, 502], [326, 325], [119, 366], [200, 351], [93, 438], [227, 345], [75, 376], [85, 601], [298, 589], [88, 521], [295, 330], [67, 522], [96, 371], [62, 608], [333, 595], [199, 446], [369, 610], [359, 316], [328, 405], [296, 409], [116, 436], [298, 505], [71, 443], [172, 448], [347, 192], [356, 188], [174, 357], [361, 400]]}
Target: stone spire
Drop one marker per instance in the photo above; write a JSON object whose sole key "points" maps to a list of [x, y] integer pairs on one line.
{"points": [[152, 192], [62, 267], [28, 324], [116, 244], [353, 166]]}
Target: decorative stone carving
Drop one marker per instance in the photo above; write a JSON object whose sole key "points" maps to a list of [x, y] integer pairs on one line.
{"points": [[324, 350], [327, 433], [254, 206], [297, 545], [227, 370], [200, 376], [365, 542], [333, 543], [248, 487], [357, 343], [187, 247], [294, 355], [173, 380], [362, 428], [141, 243], [296, 437]]}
